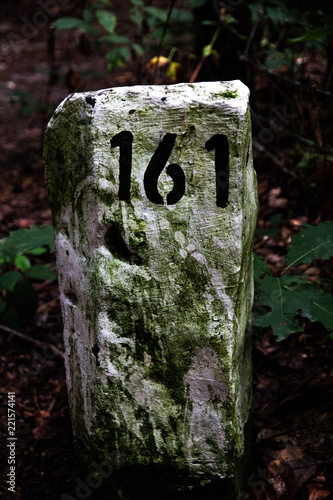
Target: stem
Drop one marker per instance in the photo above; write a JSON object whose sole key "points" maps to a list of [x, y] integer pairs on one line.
{"points": [[172, 53], [197, 69], [171, 6], [216, 34], [204, 57], [249, 40]]}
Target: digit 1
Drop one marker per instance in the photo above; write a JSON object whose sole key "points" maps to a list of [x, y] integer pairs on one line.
{"points": [[155, 168], [124, 140], [220, 143]]}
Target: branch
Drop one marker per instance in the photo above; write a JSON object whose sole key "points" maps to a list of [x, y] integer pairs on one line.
{"points": [[271, 73], [33, 341], [165, 27], [205, 55]]}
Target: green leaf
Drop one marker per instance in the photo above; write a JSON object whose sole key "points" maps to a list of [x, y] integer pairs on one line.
{"points": [[138, 49], [283, 298], [8, 280], [37, 251], [118, 57], [112, 39], [280, 300], [207, 50], [123, 52], [230, 19], [107, 20], [136, 16], [7, 253], [275, 62], [25, 299], [315, 34], [41, 273], [25, 240], [22, 262], [215, 54], [208, 22], [256, 13], [182, 16], [196, 3], [67, 23], [259, 267], [322, 310], [114, 63], [88, 15], [311, 242], [156, 14]]}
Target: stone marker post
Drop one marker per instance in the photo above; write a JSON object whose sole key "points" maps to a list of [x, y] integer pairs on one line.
{"points": [[154, 202]]}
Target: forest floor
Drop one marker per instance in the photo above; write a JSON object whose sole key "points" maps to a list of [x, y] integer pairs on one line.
{"points": [[292, 421]]}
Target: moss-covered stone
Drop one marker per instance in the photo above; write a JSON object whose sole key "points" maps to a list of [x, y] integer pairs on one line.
{"points": [[156, 289]]}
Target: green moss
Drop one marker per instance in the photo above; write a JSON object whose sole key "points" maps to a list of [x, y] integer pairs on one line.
{"points": [[152, 318], [229, 94], [77, 406], [67, 153]]}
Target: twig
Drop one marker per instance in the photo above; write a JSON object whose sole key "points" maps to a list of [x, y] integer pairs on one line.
{"points": [[274, 158], [153, 40], [165, 27], [58, 389], [314, 145], [204, 56], [285, 78], [48, 305], [33, 341], [44, 284], [250, 38], [197, 69], [36, 399]]}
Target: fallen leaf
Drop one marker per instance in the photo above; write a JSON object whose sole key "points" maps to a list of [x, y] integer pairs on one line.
{"points": [[160, 61], [318, 491], [282, 479]]}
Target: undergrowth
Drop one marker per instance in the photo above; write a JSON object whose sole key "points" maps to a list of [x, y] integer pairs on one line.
{"points": [[20, 265], [284, 302]]}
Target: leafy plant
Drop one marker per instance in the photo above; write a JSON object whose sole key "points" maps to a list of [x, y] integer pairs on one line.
{"points": [[282, 301], [315, 34], [145, 33], [18, 299], [97, 14], [275, 222]]}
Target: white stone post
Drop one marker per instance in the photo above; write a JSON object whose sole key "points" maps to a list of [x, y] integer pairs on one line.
{"points": [[154, 201]]}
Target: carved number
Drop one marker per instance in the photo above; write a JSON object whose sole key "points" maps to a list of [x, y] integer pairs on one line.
{"points": [[220, 143], [155, 168], [124, 141]]}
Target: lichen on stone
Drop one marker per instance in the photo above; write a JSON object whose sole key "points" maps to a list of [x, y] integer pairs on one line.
{"points": [[157, 351]]}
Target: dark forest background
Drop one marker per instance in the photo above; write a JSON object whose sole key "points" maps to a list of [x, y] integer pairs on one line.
{"points": [[283, 51]]}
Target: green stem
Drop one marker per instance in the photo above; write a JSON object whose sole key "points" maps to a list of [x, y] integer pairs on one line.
{"points": [[216, 34], [204, 57], [172, 53]]}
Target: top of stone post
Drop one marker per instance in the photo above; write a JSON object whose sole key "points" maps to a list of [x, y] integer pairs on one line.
{"points": [[232, 95]]}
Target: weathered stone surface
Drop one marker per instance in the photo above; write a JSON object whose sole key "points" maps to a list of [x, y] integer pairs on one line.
{"points": [[156, 278]]}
